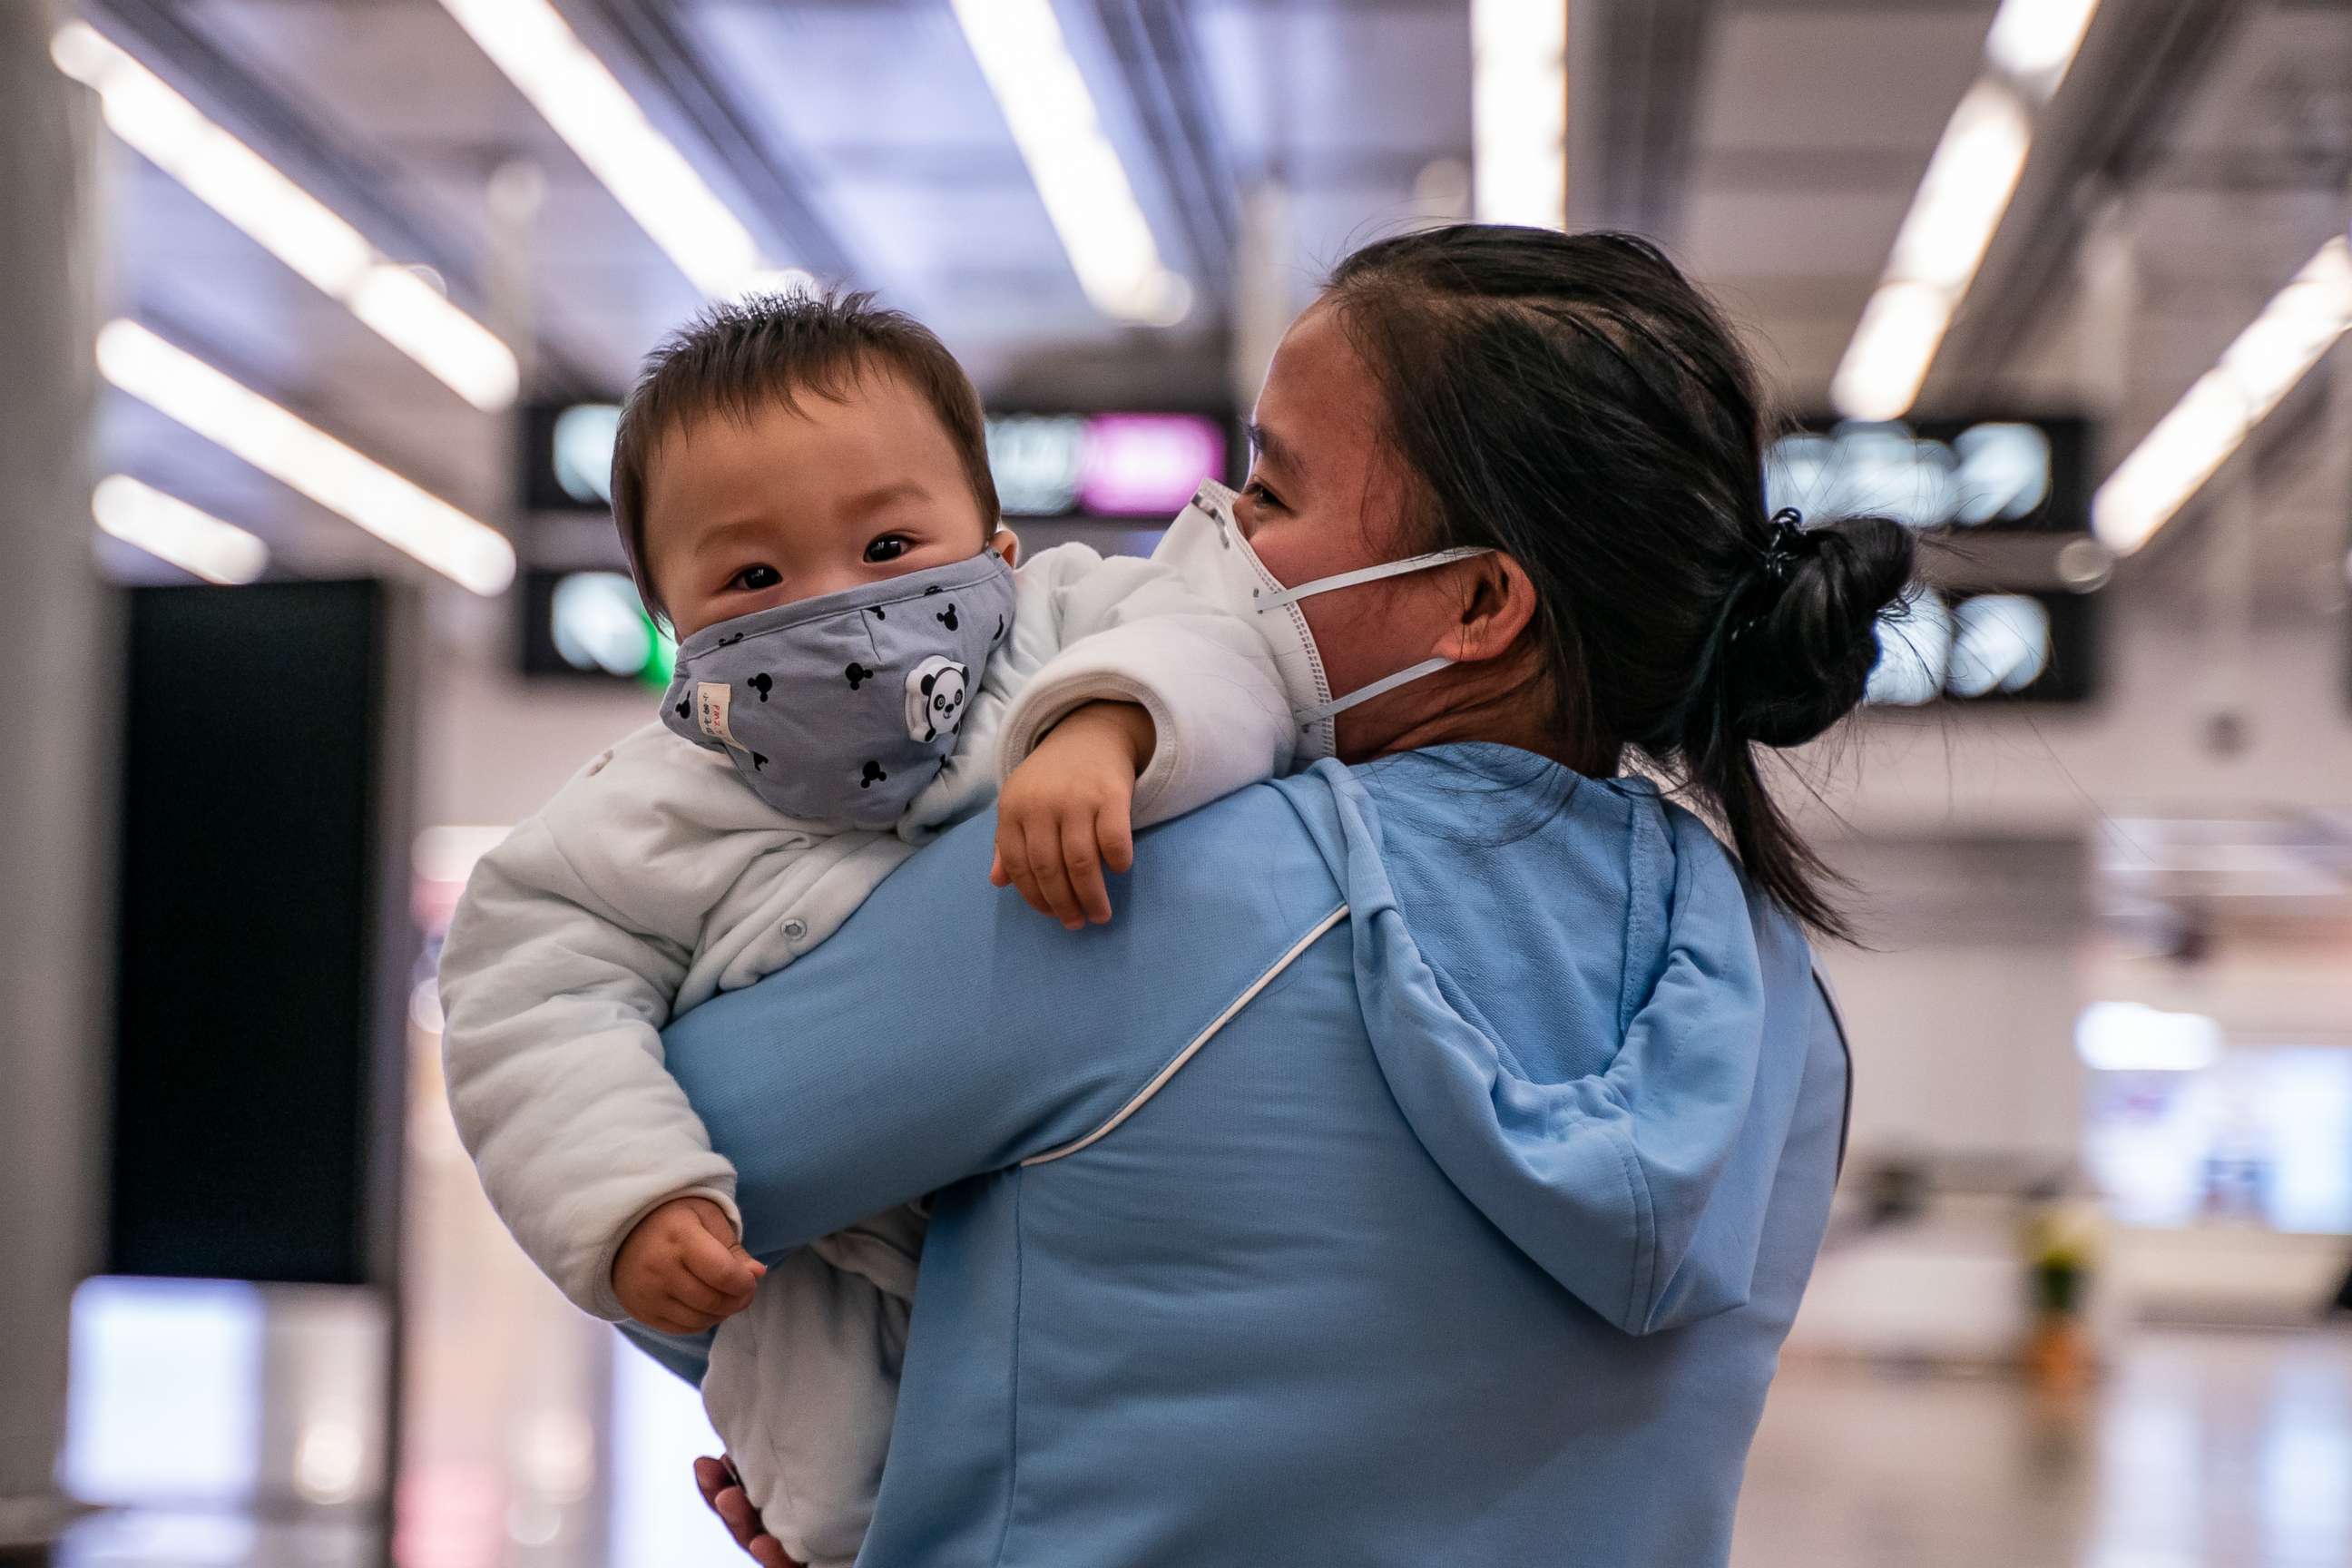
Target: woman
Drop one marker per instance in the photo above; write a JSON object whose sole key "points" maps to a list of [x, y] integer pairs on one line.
{"points": [[1427, 1162]]}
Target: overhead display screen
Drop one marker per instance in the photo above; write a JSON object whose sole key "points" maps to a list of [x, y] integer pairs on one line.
{"points": [[1973, 646], [2000, 634], [2003, 475], [591, 624], [1123, 464], [1103, 465], [1979, 643], [567, 456]]}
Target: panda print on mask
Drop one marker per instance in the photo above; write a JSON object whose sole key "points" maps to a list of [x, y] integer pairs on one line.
{"points": [[833, 709], [935, 694]]}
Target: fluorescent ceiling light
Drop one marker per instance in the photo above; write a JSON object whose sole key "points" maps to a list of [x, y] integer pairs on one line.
{"points": [[299, 455], [1965, 189], [2131, 1036], [1519, 110], [2033, 42], [172, 531], [1958, 207], [1894, 344], [288, 221], [1942, 244], [2216, 413], [594, 114], [1085, 190]]}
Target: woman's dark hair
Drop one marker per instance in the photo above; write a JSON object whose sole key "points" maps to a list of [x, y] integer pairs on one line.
{"points": [[1573, 401]]}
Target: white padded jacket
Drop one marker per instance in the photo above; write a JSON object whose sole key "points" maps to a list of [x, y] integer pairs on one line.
{"points": [[655, 878]]}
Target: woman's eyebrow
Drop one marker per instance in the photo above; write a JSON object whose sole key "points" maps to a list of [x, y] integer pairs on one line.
{"points": [[1271, 449]]}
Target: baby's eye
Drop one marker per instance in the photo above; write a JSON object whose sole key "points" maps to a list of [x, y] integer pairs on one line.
{"points": [[755, 579], [890, 547]]}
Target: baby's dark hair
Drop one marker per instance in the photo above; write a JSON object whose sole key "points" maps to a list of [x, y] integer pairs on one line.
{"points": [[1573, 401], [736, 357]]}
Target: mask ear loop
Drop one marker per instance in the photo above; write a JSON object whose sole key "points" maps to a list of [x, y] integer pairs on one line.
{"points": [[1372, 574], [1310, 717]]}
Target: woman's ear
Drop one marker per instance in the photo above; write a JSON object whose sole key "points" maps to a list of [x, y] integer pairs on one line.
{"points": [[1005, 542], [1496, 610]]}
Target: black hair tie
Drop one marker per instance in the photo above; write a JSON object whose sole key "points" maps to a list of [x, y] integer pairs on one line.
{"points": [[1786, 545]]}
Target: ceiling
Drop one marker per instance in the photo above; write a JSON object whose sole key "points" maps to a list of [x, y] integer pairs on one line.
{"points": [[1775, 144]]}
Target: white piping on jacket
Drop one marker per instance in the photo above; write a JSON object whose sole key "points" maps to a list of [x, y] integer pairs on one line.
{"points": [[1159, 1079], [1845, 1049]]}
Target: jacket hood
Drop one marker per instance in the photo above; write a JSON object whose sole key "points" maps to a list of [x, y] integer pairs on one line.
{"points": [[1604, 1054]]}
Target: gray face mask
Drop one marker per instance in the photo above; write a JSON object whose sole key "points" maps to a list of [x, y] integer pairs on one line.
{"points": [[841, 709]]}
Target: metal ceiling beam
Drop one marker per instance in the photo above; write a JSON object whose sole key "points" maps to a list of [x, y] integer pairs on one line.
{"points": [[1161, 65], [429, 469], [649, 42], [2144, 63], [321, 160], [1647, 63], [339, 174]]}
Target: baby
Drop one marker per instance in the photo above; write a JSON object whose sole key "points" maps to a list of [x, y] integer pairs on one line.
{"points": [[802, 486]]}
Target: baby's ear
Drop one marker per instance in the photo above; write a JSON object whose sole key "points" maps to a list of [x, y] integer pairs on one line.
{"points": [[1005, 542]]}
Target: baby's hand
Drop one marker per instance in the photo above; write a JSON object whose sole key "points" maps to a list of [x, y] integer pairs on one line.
{"points": [[681, 1269], [1063, 815]]}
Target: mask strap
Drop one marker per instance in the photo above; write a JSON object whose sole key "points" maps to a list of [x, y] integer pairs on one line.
{"points": [[1371, 574], [1310, 717]]}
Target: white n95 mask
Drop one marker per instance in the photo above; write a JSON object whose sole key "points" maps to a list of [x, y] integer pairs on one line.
{"points": [[1206, 547], [842, 707]]}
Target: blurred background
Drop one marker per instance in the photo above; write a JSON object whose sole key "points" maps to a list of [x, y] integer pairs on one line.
{"points": [[312, 591]]}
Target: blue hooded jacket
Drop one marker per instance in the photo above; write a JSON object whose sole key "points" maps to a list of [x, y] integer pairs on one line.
{"points": [[1424, 1166]]}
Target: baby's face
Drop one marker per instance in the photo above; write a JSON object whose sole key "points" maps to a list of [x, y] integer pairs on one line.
{"points": [[744, 515]]}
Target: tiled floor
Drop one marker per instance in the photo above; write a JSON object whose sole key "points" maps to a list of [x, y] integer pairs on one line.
{"points": [[2197, 1451]]}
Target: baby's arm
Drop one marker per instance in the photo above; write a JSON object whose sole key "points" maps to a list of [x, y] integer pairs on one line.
{"points": [[683, 1268], [1066, 815], [555, 983], [1157, 703]]}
